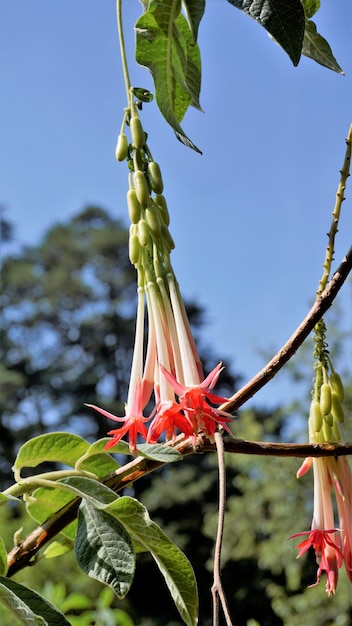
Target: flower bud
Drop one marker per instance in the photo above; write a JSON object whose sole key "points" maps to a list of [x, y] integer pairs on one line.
{"points": [[155, 178], [336, 408], [141, 187], [161, 202], [315, 416], [134, 208], [337, 385], [325, 398], [121, 147], [137, 132]]}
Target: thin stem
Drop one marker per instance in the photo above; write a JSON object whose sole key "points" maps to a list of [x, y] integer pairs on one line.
{"points": [[217, 588], [317, 311], [123, 49], [329, 255]]}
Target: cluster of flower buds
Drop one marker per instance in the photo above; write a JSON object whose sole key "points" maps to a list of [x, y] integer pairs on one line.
{"points": [[171, 368], [332, 544]]}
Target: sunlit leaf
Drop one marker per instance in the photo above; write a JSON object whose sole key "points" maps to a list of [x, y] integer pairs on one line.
{"points": [[58, 447], [317, 48], [44, 502], [3, 558], [90, 489], [104, 549], [173, 564], [283, 19], [28, 606], [60, 546], [194, 10], [310, 7], [165, 45]]}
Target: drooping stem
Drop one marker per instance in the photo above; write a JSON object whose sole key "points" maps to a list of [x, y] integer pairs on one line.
{"points": [[123, 48], [217, 588]]}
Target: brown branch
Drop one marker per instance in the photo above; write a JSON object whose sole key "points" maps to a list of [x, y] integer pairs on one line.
{"points": [[320, 306], [24, 554]]}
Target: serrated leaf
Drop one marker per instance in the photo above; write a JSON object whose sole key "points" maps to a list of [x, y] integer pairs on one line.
{"points": [[104, 549], [58, 447], [195, 11], [28, 606], [173, 564], [283, 19], [165, 45], [317, 48], [3, 558]]}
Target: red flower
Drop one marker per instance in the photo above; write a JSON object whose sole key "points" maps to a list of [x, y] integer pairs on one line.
{"points": [[169, 418], [134, 420], [327, 552], [195, 402]]}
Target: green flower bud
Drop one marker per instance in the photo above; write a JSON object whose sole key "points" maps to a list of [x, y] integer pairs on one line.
{"points": [[336, 408], [161, 202], [315, 416], [153, 222], [143, 233], [137, 132], [141, 187], [325, 398], [337, 385], [121, 147], [155, 178], [134, 208]]}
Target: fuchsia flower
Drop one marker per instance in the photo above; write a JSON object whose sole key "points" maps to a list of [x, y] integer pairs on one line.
{"points": [[333, 546], [328, 555], [134, 420], [195, 402]]}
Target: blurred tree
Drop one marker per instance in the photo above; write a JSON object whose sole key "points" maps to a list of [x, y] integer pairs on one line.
{"points": [[67, 332], [68, 314]]}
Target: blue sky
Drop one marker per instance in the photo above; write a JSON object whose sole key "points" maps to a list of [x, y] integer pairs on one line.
{"points": [[249, 217]]}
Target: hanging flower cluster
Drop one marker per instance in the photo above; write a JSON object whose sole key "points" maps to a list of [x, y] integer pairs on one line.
{"points": [[332, 544], [170, 368]]}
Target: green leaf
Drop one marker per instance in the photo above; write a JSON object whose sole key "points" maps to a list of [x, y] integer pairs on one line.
{"points": [[194, 10], [310, 7], [90, 489], [104, 550], [159, 452], [3, 558], [28, 606], [44, 502], [60, 546], [97, 460], [5, 498], [173, 564], [63, 448], [165, 45], [317, 48], [156, 452], [283, 19]]}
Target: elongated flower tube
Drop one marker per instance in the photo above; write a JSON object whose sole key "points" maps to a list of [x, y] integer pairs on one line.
{"points": [[332, 544], [171, 367]]}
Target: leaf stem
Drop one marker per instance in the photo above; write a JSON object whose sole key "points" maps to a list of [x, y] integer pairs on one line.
{"points": [[123, 48]]}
